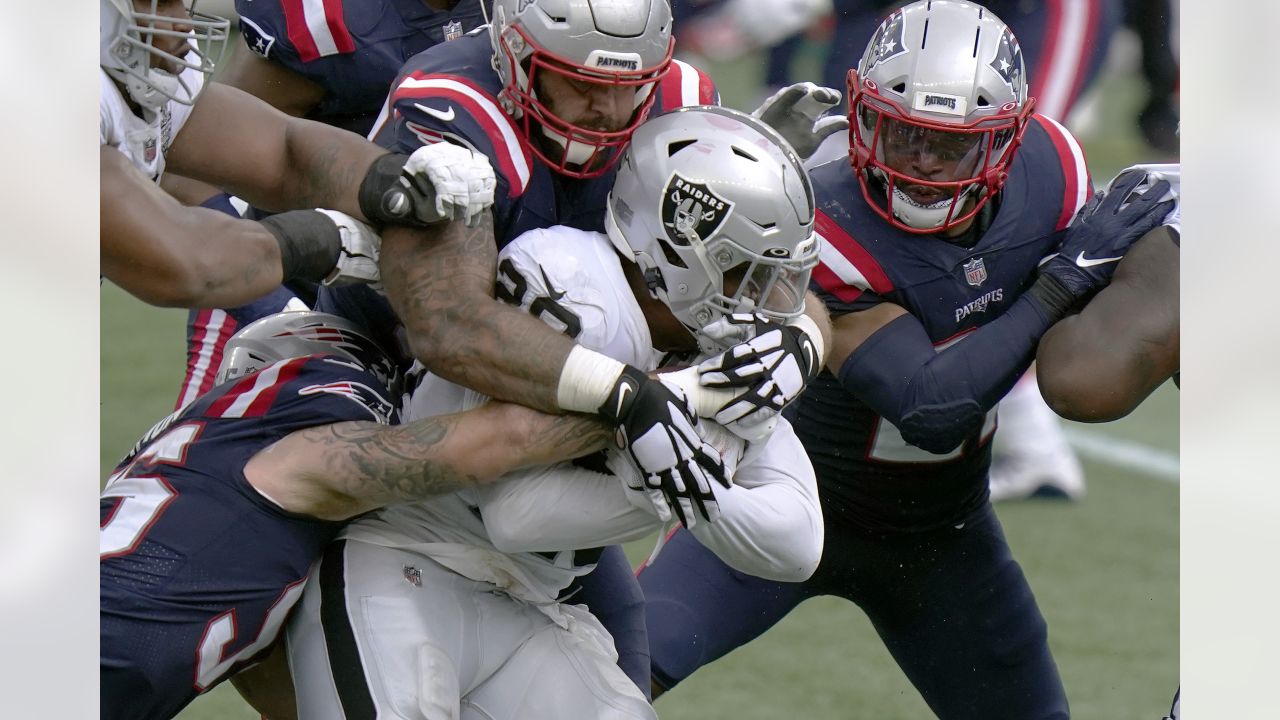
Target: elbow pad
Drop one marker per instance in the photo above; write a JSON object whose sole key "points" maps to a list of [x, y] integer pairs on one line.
{"points": [[941, 428]]}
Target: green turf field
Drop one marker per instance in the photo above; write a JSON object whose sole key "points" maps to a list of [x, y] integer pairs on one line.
{"points": [[1105, 570]]}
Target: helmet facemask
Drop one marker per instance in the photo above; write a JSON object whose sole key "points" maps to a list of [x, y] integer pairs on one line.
{"points": [[151, 73], [933, 126], [585, 62]]}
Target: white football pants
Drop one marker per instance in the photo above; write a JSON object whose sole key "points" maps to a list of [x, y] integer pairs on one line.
{"points": [[388, 633]]}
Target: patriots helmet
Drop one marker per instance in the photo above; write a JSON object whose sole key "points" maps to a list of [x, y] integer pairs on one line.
{"points": [[591, 43], [299, 333], [717, 210], [147, 51], [938, 105]]}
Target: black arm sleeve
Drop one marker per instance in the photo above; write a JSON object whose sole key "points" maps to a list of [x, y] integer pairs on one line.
{"points": [[938, 399]]}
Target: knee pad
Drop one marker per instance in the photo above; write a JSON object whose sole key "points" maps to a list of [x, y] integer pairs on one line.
{"points": [[439, 697]]}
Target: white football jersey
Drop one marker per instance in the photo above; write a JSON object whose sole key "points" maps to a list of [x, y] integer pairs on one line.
{"points": [[522, 532], [144, 142]]}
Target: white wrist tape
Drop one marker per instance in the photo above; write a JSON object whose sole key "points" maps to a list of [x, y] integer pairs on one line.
{"points": [[810, 328], [586, 380]]}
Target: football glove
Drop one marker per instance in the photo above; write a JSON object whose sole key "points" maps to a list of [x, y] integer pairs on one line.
{"points": [[1102, 232], [656, 428], [796, 113], [774, 364], [358, 255], [438, 182]]}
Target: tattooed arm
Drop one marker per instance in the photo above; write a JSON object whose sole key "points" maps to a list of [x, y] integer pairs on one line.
{"points": [[241, 144], [338, 471], [442, 289]]}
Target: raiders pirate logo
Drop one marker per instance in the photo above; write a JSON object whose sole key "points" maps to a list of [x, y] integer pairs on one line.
{"points": [[887, 42], [692, 210]]}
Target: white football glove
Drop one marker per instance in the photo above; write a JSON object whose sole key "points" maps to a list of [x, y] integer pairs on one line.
{"points": [[656, 429], [774, 364], [358, 257], [796, 112], [459, 180]]}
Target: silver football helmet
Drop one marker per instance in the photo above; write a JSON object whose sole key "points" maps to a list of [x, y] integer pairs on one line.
{"points": [[148, 51], [299, 333], [624, 43], [937, 107], [717, 210]]}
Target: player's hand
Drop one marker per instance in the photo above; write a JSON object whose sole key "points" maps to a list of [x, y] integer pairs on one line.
{"points": [[656, 428], [796, 113], [773, 363], [358, 255], [443, 181], [1103, 230]]}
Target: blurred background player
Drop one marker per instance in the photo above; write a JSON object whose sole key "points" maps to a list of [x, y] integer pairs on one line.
{"points": [[156, 112], [210, 525], [494, 565], [934, 233], [332, 63]]}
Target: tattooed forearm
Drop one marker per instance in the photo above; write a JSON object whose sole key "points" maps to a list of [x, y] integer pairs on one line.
{"points": [[551, 438], [440, 282]]}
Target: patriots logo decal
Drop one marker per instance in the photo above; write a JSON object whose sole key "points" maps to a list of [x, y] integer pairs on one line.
{"points": [[692, 211], [1008, 61], [887, 42], [363, 395]]}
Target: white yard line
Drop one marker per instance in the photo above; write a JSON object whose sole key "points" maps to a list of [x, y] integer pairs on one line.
{"points": [[1147, 460]]}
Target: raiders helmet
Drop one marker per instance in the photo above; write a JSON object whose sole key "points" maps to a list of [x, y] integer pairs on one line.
{"points": [[598, 42], [296, 333], [127, 48], [718, 212], [938, 105]]}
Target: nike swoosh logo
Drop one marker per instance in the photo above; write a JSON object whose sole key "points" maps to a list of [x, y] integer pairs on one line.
{"points": [[1084, 262], [622, 398], [441, 115], [810, 354]]}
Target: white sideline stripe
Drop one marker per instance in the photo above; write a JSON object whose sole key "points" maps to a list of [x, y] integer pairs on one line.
{"points": [[1132, 456]]}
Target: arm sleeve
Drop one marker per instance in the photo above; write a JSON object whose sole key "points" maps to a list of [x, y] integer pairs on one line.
{"points": [[770, 523], [937, 399]]}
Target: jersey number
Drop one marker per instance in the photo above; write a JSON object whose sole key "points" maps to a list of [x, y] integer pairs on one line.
{"points": [[221, 631], [142, 498], [887, 444], [512, 288]]}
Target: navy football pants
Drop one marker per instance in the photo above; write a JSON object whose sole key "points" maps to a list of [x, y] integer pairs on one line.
{"points": [[952, 606]]}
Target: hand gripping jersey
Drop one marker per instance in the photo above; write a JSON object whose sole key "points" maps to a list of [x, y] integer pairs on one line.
{"points": [[869, 474], [198, 569], [533, 532], [449, 93], [353, 49], [143, 141]]}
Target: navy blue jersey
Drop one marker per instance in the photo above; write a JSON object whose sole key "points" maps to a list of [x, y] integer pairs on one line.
{"points": [[351, 48], [450, 93], [198, 569], [868, 473]]}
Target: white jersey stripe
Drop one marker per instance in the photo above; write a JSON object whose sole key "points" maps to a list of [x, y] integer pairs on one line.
{"points": [[318, 26], [688, 83], [1067, 61], [511, 142], [264, 381], [840, 265], [1077, 156], [204, 358]]}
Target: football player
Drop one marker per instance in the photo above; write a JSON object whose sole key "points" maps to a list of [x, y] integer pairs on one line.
{"points": [[550, 92], [935, 230], [156, 113], [454, 607], [211, 522], [1100, 364]]}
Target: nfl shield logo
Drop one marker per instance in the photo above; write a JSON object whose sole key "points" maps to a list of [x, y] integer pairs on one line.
{"points": [[975, 272], [452, 31], [692, 210]]}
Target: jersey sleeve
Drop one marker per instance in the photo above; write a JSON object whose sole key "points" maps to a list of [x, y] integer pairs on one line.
{"points": [[425, 108], [770, 523], [847, 277], [572, 279], [685, 85], [1077, 185], [296, 33]]}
